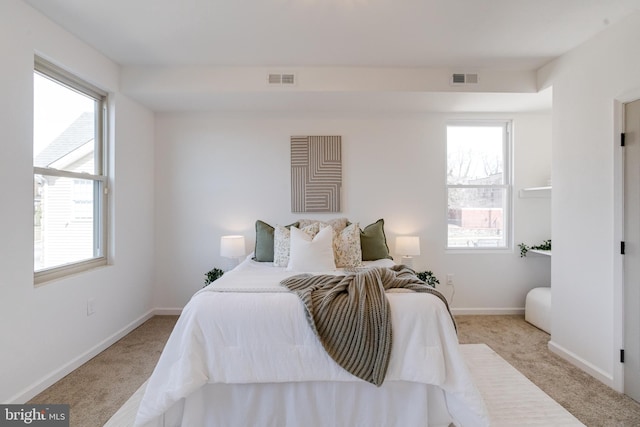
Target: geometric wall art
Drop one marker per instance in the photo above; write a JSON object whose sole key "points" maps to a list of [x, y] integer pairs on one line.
{"points": [[316, 173]]}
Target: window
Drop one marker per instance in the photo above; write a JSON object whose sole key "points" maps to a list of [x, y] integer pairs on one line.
{"points": [[478, 185], [69, 173]]}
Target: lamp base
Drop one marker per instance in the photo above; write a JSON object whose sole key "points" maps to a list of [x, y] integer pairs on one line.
{"points": [[232, 263], [408, 261]]}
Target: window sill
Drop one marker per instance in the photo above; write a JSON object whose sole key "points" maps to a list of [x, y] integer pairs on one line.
{"points": [[41, 278]]}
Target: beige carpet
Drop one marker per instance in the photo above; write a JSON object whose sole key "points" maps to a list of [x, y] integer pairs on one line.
{"points": [[98, 388], [511, 399]]}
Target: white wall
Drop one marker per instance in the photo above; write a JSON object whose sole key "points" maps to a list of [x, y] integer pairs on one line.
{"points": [[585, 273], [45, 331], [217, 173]]}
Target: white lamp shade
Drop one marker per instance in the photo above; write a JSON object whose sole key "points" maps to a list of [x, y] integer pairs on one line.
{"points": [[232, 246], [408, 245]]}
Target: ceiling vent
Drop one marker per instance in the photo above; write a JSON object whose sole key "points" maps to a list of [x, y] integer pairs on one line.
{"points": [[281, 79], [463, 79]]}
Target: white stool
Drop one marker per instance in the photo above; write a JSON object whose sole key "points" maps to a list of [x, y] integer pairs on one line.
{"points": [[537, 308]]}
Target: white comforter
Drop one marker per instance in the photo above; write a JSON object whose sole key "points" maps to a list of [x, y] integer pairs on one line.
{"points": [[246, 328]]}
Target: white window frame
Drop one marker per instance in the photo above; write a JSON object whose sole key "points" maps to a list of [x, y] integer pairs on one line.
{"points": [[63, 77], [507, 150]]}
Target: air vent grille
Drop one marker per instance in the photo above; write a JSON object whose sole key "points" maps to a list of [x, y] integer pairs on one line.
{"points": [[288, 79], [274, 79], [471, 78], [464, 79], [281, 79], [457, 79]]}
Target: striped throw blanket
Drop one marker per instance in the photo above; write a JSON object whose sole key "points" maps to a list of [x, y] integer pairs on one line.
{"points": [[350, 315]]}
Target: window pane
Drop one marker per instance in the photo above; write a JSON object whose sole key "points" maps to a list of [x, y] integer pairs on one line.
{"points": [[475, 155], [63, 127], [476, 217], [64, 220], [69, 180]]}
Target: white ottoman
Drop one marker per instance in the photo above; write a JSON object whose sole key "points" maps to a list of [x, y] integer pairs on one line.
{"points": [[537, 308]]}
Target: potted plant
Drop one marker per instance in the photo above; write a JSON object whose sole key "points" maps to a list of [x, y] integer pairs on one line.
{"points": [[428, 277], [212, 275], [544, 246]]}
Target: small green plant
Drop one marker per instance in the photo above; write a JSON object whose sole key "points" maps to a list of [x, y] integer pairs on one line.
{"points": [[544, 246], [428, 277], [212, 275]]}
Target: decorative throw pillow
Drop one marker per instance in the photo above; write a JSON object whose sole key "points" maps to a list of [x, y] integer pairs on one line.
{"points": [[282, 242], [263, 251], [373, 242], [338, 224], [311, 253], [346, 247]]}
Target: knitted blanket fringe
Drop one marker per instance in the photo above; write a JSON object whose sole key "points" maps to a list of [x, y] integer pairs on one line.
{"points": [[351, 317]]}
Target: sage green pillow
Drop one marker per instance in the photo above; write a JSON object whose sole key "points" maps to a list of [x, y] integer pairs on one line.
{"points": [[373, 242], [264, 241]]}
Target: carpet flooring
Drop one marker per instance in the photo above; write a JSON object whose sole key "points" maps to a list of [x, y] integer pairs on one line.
{"points": [[99, 388]]}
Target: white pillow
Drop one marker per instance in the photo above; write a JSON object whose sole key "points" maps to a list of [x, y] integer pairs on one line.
{"points": [[311, 253], [281, 242]]}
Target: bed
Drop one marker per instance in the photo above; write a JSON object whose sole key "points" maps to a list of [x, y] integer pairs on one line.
{"points": [[243, 353]]}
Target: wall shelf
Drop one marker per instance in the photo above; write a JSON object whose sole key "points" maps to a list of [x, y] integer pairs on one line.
{"points": [[540, 252], [535, 192]]}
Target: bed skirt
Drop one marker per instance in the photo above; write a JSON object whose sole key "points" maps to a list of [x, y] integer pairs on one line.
{"points": [[311, 404]]}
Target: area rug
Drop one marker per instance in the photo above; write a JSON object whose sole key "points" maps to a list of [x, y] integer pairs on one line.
{"points": [[511, 399]]}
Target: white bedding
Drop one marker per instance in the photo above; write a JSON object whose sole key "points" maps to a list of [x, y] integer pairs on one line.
{"points": [[245, 328]]}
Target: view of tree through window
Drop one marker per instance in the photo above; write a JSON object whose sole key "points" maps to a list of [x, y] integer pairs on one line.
{"points": [[477, 185]]}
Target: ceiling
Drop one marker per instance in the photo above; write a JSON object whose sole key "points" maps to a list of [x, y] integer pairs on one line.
{"points": [[487, 34]]}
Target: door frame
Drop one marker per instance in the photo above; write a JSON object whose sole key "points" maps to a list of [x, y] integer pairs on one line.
{"points": [[618, 233]]}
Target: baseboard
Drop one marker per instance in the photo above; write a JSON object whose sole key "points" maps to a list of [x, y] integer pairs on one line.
{"points": [[454, 311], [46, 382], [486, 311], [167, 312], [580, 363]]}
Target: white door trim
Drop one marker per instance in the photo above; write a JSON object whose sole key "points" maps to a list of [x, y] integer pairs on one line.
{"points": [[618, 233]]}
